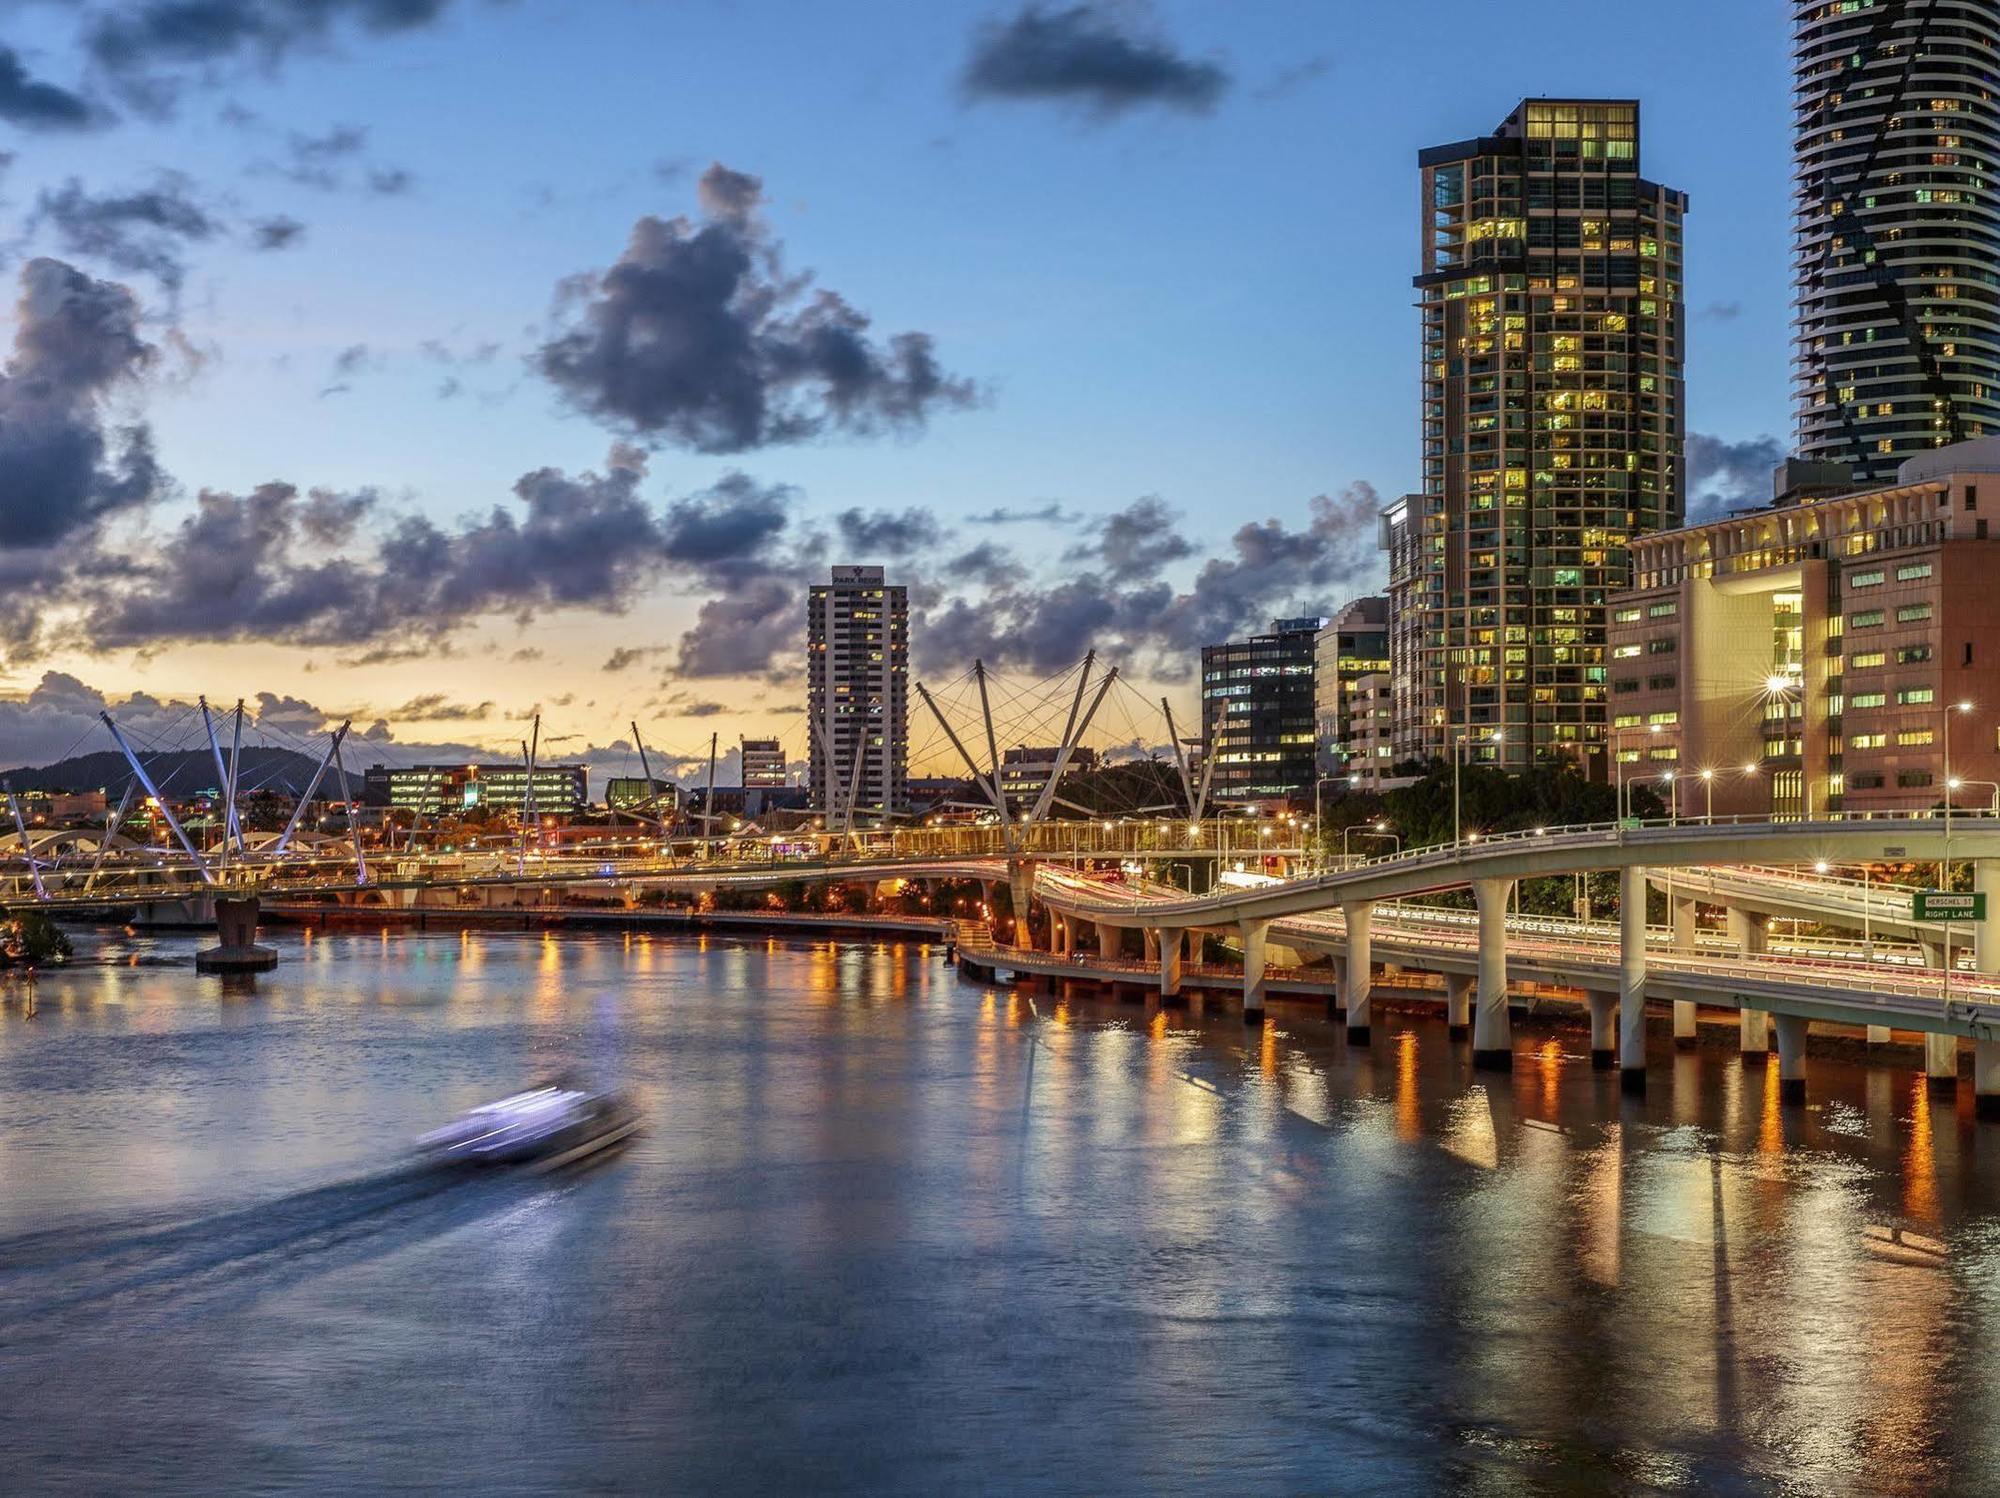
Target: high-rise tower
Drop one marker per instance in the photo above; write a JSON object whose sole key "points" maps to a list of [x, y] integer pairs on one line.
{"points": [[857, 705], [1552, 428], [1896, 248]]}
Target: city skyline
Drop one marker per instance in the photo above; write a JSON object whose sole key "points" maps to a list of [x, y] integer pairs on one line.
{"points": [[1040, 457]]}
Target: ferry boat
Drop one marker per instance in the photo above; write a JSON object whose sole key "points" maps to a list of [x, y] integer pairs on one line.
{"points": [[545, 1127]]}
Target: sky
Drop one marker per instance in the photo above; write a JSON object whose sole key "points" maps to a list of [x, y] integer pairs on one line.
{"points": [[432, 362]]}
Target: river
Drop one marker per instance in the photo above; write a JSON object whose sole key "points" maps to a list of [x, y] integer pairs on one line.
{"points": [[891, 1231]]}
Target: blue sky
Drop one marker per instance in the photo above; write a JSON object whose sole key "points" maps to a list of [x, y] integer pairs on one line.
{"points": [[1212, 306]]}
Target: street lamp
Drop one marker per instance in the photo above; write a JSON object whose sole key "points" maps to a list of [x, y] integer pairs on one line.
{"points": [[1944, 866], [1495, 736], [1380, 829], [1708, 789], [1994, 810], [1616, 735], [1673, 795]]}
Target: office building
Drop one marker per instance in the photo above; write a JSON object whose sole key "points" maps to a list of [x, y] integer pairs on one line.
{"points": [[1806, 660], [447, 790], [656, 798], [1257, 714], [1025, 771], [763, 764], [1353, 645], [857, 680], [1551, 305], [1895, 228]]}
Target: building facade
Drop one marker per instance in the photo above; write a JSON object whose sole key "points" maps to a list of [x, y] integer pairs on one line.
{"points": [[1809, 658], [763, 764], [1895, 229], [1353, 645], [1553, 426], [857, 693], [656, 798], [1257, 714], [446, 790], [1025, 770]]}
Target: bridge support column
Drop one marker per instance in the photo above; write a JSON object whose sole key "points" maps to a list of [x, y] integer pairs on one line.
{"points": [[1941, 1062], [1360, 984], [1110, 942], [1169, 944], [1632, 978], [1021, 889], [1791, 1057], [1986, 957], [1878, 1034], [1603, 1031], [1686, 1031], [1751, 934], [1458, 1005], [1254, 934], [1492, 1029], [236, 950]]}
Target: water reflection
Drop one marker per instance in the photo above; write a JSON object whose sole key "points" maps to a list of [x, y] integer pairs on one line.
{"points": [[1274, 1262]]}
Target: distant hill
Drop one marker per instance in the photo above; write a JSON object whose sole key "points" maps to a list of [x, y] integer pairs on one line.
{"points": [[180, 773]]}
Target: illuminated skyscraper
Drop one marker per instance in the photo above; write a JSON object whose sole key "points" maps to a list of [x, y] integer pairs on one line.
{"points": [[857, 704], [1896, 228], [1552, 427]]}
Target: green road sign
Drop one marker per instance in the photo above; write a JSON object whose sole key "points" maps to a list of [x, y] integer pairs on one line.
{"points": [[1630, 824], [1943, 905]]}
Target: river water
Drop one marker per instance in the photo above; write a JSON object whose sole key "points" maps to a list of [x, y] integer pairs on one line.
{"points": [[893, 1231]]}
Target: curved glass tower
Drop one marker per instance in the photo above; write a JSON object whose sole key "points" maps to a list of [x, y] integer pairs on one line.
{"points": [[1896, 252]]}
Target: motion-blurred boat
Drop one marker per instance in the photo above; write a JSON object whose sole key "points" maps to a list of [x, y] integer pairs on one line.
{"points": [[546, 1127]]}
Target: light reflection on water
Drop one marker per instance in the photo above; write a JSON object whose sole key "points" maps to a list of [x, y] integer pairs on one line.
{"points": [[893, 1231]]}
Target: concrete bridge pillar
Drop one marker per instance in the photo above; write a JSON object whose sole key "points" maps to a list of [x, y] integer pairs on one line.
{"points": [[1360, 918], [236, 950], [1021, 888], [1632, 978], [1685, 1026], [1168, 945], [1751, 934], [1986, 958], [1940, 1051], [1254, 934], [1791, 1057], [1110, 942], [1458, 1005], [1492, 1029], [1603, 1030]]}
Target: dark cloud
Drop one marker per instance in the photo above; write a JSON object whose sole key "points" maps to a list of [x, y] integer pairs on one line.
{"points": [[1051, 513], [333, 161], [152, 50], [1137, 616], [739, 632], [698, 336], [625, 657], [1090, 56], [32, 104], [390, 181], [62, 466], [887, 533], [143, 232], [1725, 476], [1137, 541], [1722, 311], [435, 707], [734, 522], [986, 566], [1297, 76], [279, 232]]}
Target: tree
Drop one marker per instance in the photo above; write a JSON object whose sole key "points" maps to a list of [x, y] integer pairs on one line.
{"points": [[29, 938]]}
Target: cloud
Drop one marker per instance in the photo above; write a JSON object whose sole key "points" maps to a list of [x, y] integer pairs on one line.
{"points": [[279, 232], [1137, 541], [1725, 476], [1051, 513], [435, 707], [333, 161], [1722, 311], [33, 104], [625, 657], [699, 336], [142, 232], [886, 533], [63, 468], [152, 50], [986, 566], [1090, 56], [1137, 616]]}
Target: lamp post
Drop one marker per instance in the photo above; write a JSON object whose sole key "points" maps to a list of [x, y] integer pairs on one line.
{"points": [[1708, 789], [1616, 735], [1496, 736], [1380, 829], [1673, 795]]}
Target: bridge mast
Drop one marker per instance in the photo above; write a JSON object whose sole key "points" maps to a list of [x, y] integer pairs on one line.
{"points": [[285, 838], [993, 749], [180, 832], [1072, 737], [353, 822], [111, 825], [235, 825], [20, 826], [221, 772], [991, 788], [530, 747]]}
